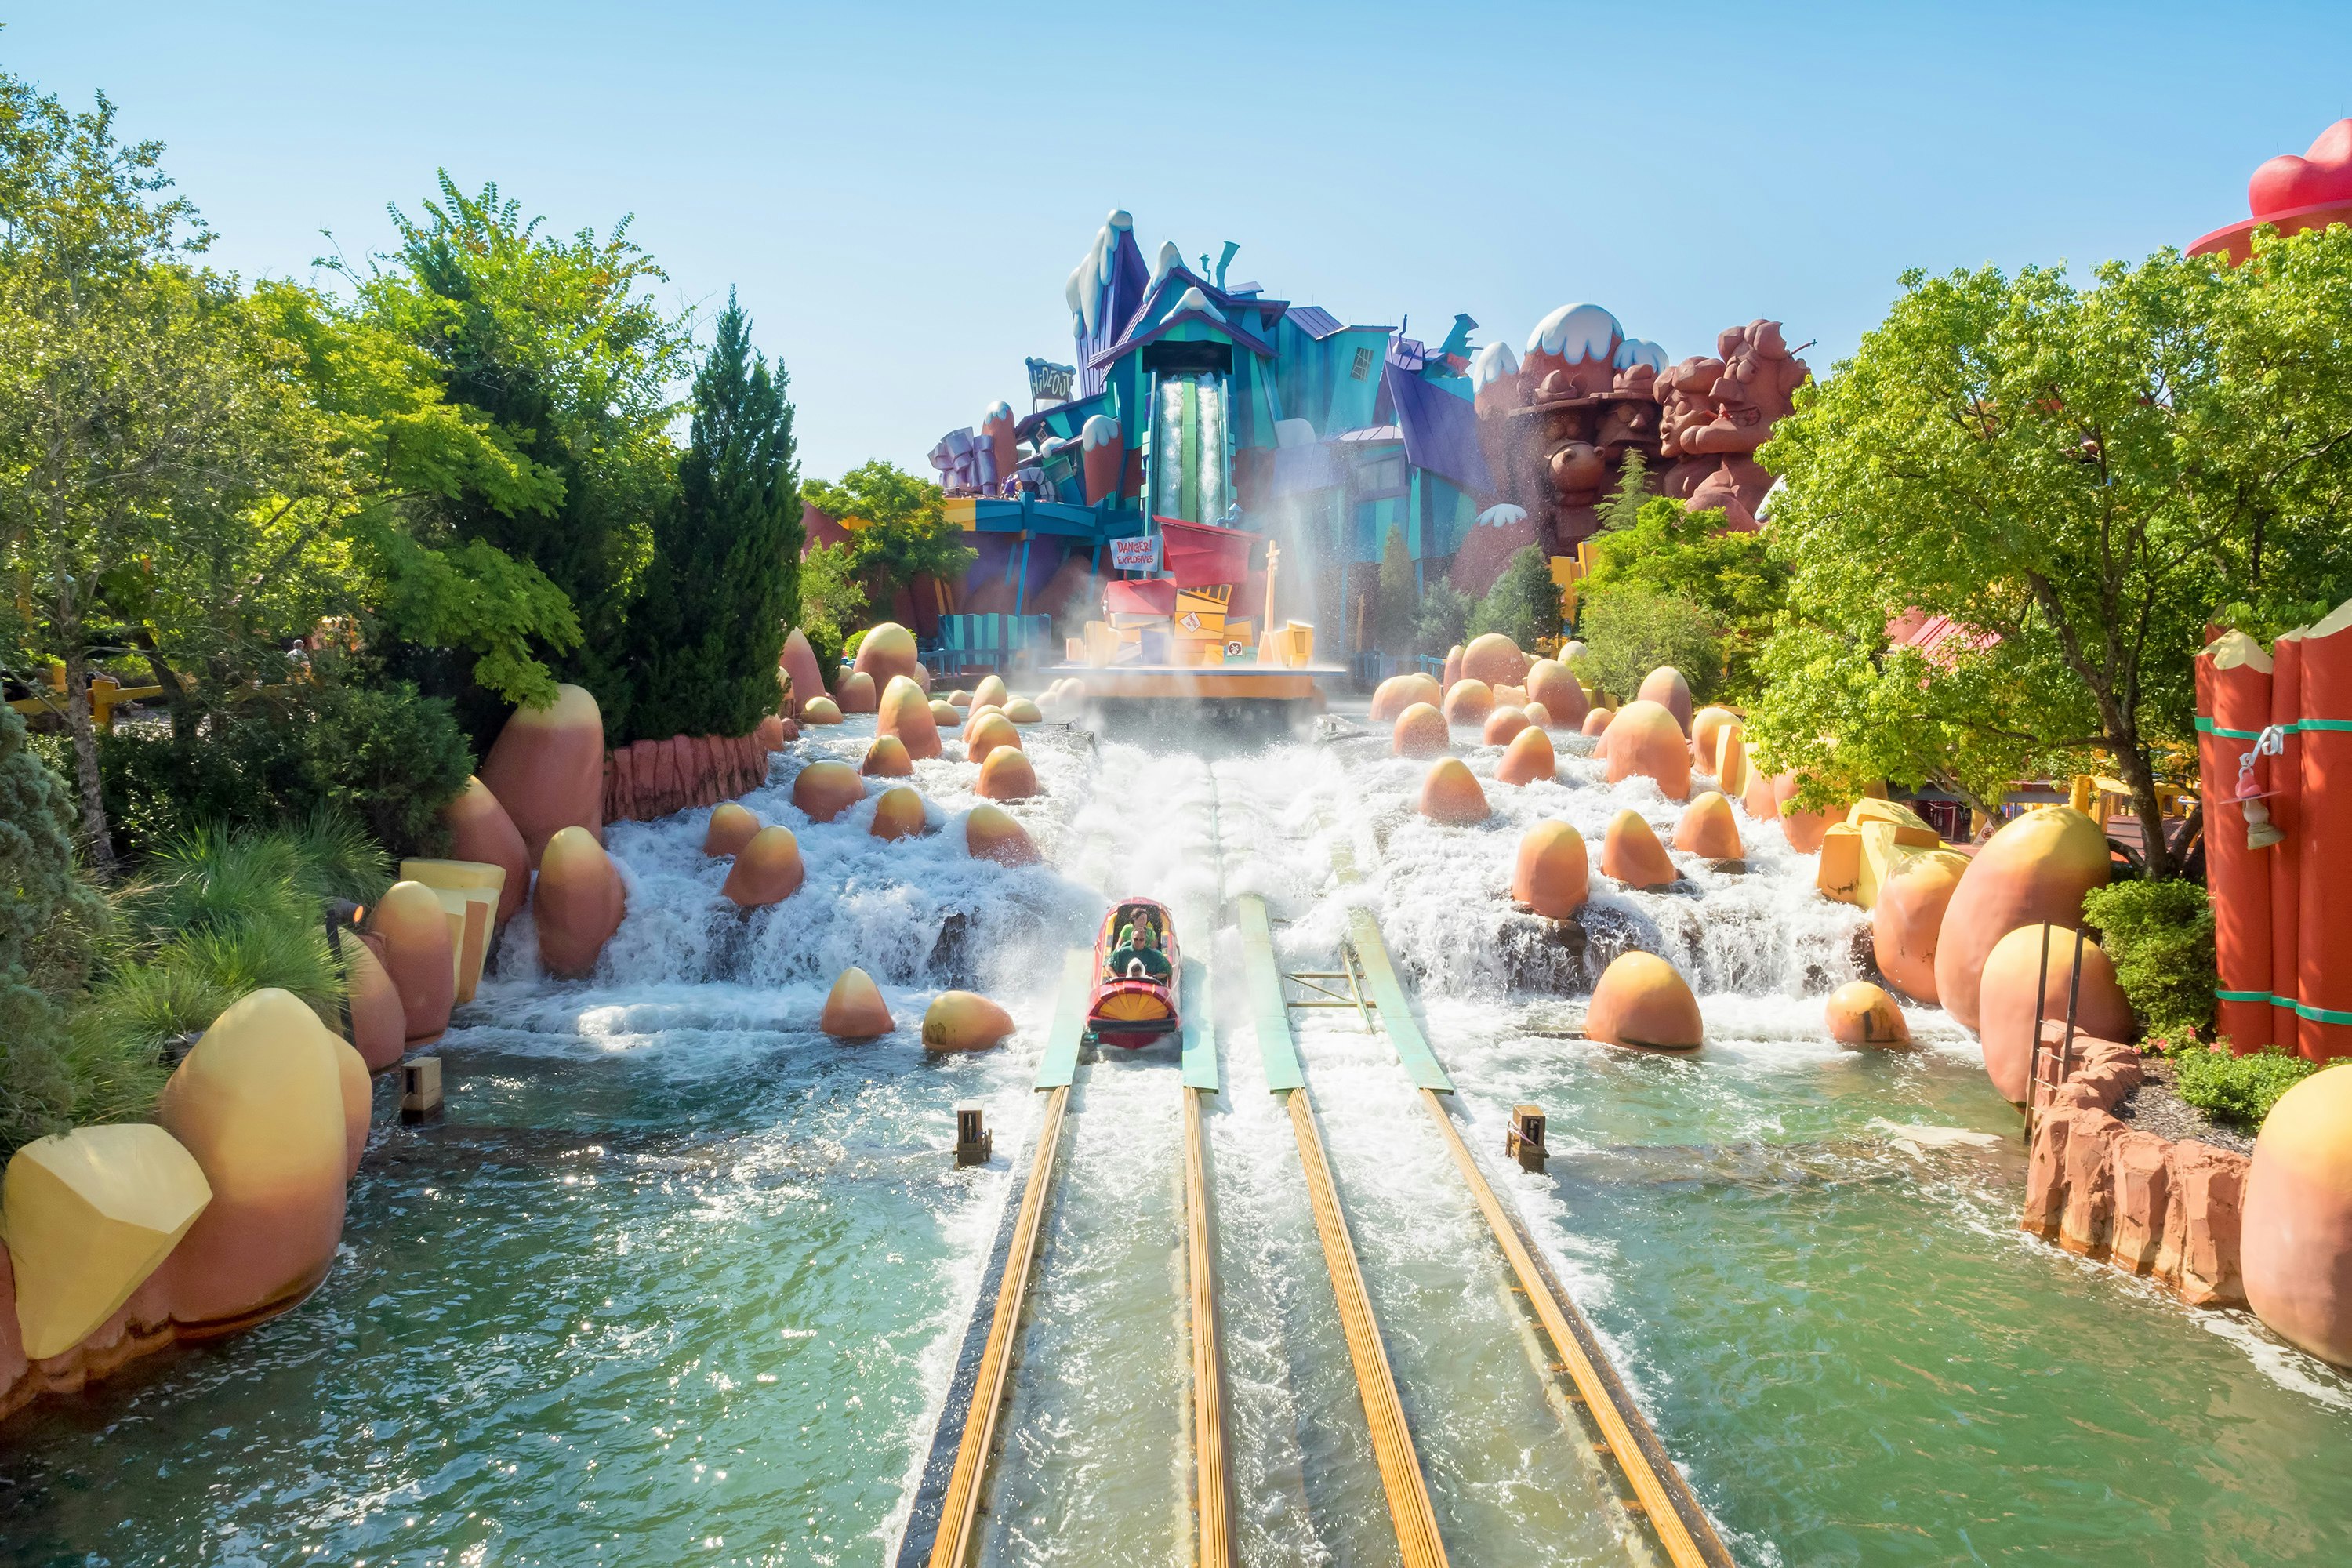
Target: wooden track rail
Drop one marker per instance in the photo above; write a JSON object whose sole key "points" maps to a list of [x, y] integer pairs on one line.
{"points": [[1212, 1486]]}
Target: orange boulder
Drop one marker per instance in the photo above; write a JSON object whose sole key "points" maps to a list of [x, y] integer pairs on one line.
{"points": [[1021, 710], [1549, 683], [1705, 724], [945, 713], [959, 699], [1551, 876], [731, 828], [1644, 739], [2295, 1242], [359, 1105], [1643, 1001], [1706, 829], [1908, 917], [1006, 775], [1596, 721], [2006, 1024], [798, 661], [1538, 715], [1527, 758], [1767, 800], [962, 1021], [991, 692], [767, 872], [419, 955], [820, 710], [2034, 869], [1632, 852], [547, 768], [1399, 692], [1511, 697], [1453, 668], [854, 1008], [1495, 660], [1450, 794], [990, 834], [1666, 686], [885, 651], [989, 731], [480, 829], [379, 1023], [822, 791], [855, 693], [577, 905], [898, 814], [906, 713], [1419, 733], [1503, 725], [1468, 702], [886, 759], [1860, 1014]]}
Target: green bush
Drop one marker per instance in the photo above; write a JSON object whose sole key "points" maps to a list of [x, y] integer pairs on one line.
{"points": [[2160, 936], [1628, 631], [2238, 1088], [383, 756], [1524, 603], [1440, 620]]}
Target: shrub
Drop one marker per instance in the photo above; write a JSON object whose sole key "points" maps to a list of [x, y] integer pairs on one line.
{"points": [[1630, 631], [2238, 1088], [1441, 619], [1524, 603], [2160, 936], [48, 919]]}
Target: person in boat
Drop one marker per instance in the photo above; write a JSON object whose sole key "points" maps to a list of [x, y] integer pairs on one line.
{"points": [[1137, 954]]}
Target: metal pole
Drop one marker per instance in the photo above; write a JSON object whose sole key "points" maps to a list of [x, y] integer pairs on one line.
{"points": [[2074, 996], [2040, 996]]}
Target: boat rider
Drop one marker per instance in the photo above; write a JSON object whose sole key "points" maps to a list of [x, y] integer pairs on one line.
{"points": [[1137, 954]]}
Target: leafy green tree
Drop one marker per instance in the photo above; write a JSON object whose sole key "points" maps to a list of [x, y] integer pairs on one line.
{"points": [[898, 529], [1523, 603], [1629, 630], [2078, 479], [1443, 618], [725, 577], [1691, 557], [47, 918], [1392, 627], [830, 600], [558, 344], [1623, 507]]}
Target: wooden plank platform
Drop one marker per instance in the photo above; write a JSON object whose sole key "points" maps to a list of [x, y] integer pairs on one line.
{"points": [[1213, 1488], [1262, 979], [1059, 1065], [1200, 1029], [1406, 1038]]}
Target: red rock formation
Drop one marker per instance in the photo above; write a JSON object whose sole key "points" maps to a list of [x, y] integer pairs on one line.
{"points": [[480, 829], [546, 768], [647, 779], [1550, 875]]}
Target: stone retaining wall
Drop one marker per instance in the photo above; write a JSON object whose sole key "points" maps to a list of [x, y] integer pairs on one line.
{"points": [[2150, 1205], [651, 779]]}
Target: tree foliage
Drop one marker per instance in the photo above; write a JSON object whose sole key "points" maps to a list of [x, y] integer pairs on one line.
{"points": [[2078, 479], [898, 529], [48, 920], [1524, 603], [1623, 507], [1392, 626], [1629, 630], [1691, 557], [1441, 619]]}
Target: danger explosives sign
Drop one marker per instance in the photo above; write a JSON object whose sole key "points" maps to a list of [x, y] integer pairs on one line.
{"points": [[1135, 555]]}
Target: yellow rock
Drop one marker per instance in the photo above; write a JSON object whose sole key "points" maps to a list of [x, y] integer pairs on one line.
{"points": [[947, 712], [987, 733], [820, 710], [964, 1021], [1006, 775], [1860, 1014], [1021, 710], [1450, 792], [898, 814], [990, 834], [87, 1216], [731, 828], [822, 791], [854, 1008], [886, 759], [1838, 874], [991, 690]]}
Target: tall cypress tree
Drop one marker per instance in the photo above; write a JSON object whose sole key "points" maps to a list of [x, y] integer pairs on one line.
{"points": [[1392, 627], [725, 577]]}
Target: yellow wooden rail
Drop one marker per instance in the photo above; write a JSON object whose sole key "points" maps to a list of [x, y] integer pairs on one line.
{"points": [[1214, 1501], [959, 1510], [1392, 1450]]}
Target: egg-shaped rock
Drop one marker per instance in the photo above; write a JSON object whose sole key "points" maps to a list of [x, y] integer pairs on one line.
{"points": [[2295, 1242], [359, 1105], [1646, 741], [974, 714], [798, 661], [1767, 799], [731, 828], [1468, 702], [379, 1022], [547, 768], [420, 955], [1511, 697], [964, 1021], [990, 834], [991, 692], [822, 791], [945, 713], [1005, 775], [89, 1214], [1550, 875], [854, 1008], [1596, 721], [990, 730], [1549, 683], [577, 904], [258, 1103], [1538, 715], [897, 814], [1527, 758], [1642, 1000], [1860, 1014], [1731, 769], [2007, 1024], [1453, 668], [1495, 660], [1420, 731], [480, 829], [1632, 854], [1666, 686], [820, 710], [855, 693], [767, 872], [1502, 726], [2035, 869], [959, 699], [906, 713], [1021, 710], [1708, 829], [1450, 794], [886, 759], [1399, 692], [1705, 725], [1908, 919], [885, 651]]}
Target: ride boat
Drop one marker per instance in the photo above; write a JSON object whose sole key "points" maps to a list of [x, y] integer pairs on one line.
{"points": [[1137, 975]]}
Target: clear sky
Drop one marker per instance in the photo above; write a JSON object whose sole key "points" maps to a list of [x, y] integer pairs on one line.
{"points": [[899, 191]]}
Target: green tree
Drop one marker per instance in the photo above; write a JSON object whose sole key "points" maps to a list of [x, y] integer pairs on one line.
{"points": [[830, 600], [1392, 627], [1623, 507], [2078, 479], [1629, 630], [47, 918], [898, 529], [1443, 619], [557, 344], [1523, 603], [1691, 557], [725, 577]]}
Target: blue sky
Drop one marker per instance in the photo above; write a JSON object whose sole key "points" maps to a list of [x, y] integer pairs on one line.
{"points": [[899, 192]]}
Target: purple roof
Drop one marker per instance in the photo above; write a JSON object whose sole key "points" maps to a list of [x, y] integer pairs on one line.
{"points": [[1441, 430], [1314, 321]]}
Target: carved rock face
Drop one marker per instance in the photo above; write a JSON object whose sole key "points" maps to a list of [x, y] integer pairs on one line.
{"points": [[1577, 473]]}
